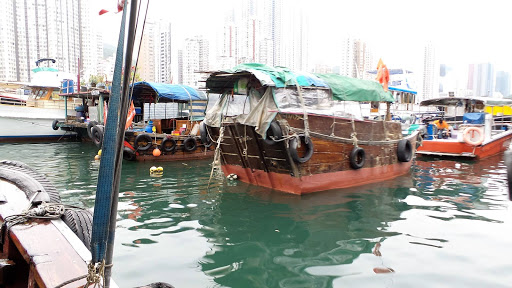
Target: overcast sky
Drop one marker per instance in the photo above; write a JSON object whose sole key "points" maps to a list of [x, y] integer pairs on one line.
{"points": [[464, 31]]}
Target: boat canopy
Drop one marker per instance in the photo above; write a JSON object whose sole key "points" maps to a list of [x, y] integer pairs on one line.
{"points": [[452, 101], [351, 89], [343, 88], [161, 92]]}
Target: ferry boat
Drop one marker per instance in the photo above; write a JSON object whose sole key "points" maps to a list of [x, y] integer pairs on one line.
{"points": [[290, 132], [475, 134], [33, 118]]}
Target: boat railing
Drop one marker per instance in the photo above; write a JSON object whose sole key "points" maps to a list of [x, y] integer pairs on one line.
{"points": [[9, 101]]}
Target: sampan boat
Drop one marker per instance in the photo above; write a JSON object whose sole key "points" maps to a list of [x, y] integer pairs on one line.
{"points": [[293, 132]]}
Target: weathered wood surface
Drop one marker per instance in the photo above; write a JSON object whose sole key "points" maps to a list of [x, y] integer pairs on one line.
{"points": [[43, 256], [242, 146]]}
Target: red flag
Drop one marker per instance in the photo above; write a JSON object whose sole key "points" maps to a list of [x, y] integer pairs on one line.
{"points": [[120, 6], [105, 113], [383, 74], [103, 11]]}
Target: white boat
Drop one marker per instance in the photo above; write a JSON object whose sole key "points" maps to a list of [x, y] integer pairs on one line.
{"points": [[35, 119]]}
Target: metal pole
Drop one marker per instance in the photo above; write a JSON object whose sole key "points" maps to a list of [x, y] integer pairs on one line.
{"points": [[120, 136]]}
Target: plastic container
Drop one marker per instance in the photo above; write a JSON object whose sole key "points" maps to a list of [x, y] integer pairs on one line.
{"points": [[430, 132], [149, 127]]}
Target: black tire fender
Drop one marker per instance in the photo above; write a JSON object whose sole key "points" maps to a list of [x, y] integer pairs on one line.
{"points": [[357, 158], [508, 164], [54, 124], [89, 128], [404, 150], [80, 222], [274, 130], [207, 142], [189, 144], [97, 135], [309, 149], [143, 138], [168, 145], [129, 154]]}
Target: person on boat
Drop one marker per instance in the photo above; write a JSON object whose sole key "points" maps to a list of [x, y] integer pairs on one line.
{"points": [[443, 129]]}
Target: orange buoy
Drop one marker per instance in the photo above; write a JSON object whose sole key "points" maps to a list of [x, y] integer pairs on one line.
{"points": [[156, 152]]}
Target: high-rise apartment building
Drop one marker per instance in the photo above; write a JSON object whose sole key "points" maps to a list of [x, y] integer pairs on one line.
{"points": [[271, 32], [57, 29], [503, 83], [430, 72], [481, 79], [194, 58], [154, 63]]}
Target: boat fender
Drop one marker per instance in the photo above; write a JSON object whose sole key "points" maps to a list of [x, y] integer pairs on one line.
{"points": [[204, 135], [54, 124], [80, 222], [404, 150], [189, 144], [309, 149], [469, 136], [273, 134], [129, 154], [97, 135], [168, 145], [232, 176], [357, 157], [143, 138], [89, 128]]}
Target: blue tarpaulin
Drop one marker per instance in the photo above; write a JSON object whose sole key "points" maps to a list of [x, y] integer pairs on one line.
{"points": [[146, 92], [473, 118]]}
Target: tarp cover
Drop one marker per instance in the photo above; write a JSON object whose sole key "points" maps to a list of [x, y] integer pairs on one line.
{"points": [[166, 92], [280, 76], [350, 89], [473, 118]]}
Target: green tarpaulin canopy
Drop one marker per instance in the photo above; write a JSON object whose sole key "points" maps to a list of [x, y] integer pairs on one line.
{"points": [[350, 89]]}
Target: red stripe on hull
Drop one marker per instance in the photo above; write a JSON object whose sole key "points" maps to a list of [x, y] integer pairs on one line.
{"points": [[178, 156], [482, 151], [318, 182]]}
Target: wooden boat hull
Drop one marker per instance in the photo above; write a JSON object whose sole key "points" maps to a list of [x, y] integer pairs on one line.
{"points": [[255, 161], [461, 149]]}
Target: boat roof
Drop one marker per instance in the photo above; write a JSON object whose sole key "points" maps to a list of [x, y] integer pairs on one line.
{"points": [[402, 90], [459, 101], [343, 88], [162, 92]]}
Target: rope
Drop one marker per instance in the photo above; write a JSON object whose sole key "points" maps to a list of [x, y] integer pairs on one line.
{"points": [[303, 105], [217, 154], [353, 135], [348, 140], [70, 281]]}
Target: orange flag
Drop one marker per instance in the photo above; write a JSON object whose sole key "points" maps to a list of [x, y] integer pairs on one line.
{"points": [[382, 74], [129, 117]]}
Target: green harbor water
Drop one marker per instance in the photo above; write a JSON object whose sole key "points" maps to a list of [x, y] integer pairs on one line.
{"points": [[446, 224]]}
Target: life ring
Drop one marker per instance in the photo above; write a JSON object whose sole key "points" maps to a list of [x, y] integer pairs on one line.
{"points": [[54, 124], [80, 222], [89, 128], [168, 145], [357, 158], [293, 149], [469, 136], [273, 131], [404, 150], [97, 135], [189, 144], [129, 154], [207, 142], [145, 140]]}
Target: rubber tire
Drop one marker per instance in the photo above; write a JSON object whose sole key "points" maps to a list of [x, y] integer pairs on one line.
{"points": [[129, 154], [357, 158], [97, 135], [80, 222], [186, 145], [309, 149], [89, 128], [207, 142], [28, 180], [273, 130], [54, 124], [168, 149], [404, 150], [144, 137]]}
